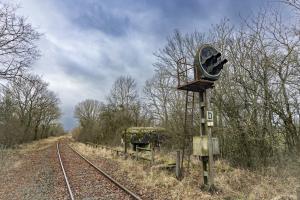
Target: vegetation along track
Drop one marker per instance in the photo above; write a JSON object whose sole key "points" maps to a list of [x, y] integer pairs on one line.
{"points": [[85, 180]]}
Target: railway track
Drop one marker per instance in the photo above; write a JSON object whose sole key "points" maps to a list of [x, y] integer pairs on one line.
{"points": [[85, 180]]}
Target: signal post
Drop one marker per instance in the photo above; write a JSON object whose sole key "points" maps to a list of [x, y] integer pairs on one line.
{"points": [[198, 78]]}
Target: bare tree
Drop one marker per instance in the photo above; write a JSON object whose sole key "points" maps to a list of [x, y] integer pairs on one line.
{"points": [[124, 98], [293, 3], [123, 93], [88, 115], [159, 92], [87, 110], [30, 107], [46, 111], [17, 43]]}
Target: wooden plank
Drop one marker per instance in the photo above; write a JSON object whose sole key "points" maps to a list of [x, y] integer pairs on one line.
{"points": [[145, 149]]}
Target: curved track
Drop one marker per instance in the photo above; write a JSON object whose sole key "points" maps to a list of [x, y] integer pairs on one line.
{"points": [[85, 180]]}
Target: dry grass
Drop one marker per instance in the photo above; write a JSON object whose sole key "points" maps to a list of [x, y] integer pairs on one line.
{"points": [[10, 158], [246, 184], [231, 183], [4, 154], [41, 144]]}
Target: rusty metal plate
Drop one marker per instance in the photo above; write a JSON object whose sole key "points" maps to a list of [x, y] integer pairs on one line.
{"points": [[200, 146]]}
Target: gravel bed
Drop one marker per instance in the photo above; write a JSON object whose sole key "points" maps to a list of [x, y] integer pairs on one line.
{"points": [[33, 175], [85, 181], [113, 168]]}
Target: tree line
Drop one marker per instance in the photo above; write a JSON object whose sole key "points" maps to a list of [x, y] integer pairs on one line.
{"points": [[104, 122], [256, 100], [28, 109]]}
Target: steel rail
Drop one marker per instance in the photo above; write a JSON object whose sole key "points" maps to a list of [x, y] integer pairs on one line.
{"points": [[107, 176], [64, 172]]}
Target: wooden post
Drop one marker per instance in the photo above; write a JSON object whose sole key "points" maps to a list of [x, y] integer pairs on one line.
{"points": [[205, 169], [152, 155], [125, 143], [136, 153], [178, 167], [210, 145]]}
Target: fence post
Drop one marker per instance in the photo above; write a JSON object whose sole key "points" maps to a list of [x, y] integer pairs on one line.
{"points": [[125, 142], [178, 167], [136, 153], [152, 156]]}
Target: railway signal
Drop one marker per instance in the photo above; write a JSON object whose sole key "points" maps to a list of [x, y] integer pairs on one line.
{"points": [[209, 63], [206, 69]]}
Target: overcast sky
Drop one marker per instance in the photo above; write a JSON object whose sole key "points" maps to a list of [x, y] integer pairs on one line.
{"points": [[87, 44]]}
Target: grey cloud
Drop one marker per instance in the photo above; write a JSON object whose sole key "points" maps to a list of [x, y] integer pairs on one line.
{"points": [[92, 15]]}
